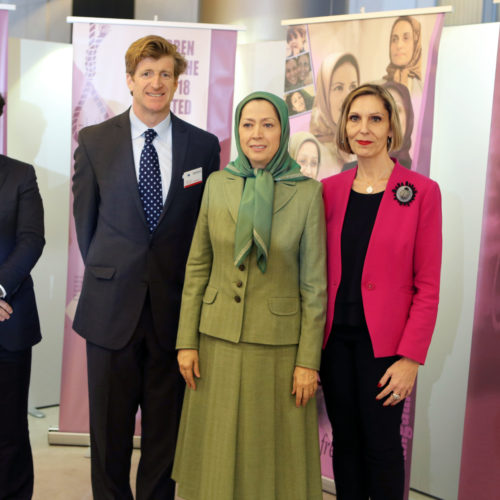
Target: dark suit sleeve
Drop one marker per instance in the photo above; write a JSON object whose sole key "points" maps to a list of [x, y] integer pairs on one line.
{"points": [[85, 197], [214, 164], [29, 235]]}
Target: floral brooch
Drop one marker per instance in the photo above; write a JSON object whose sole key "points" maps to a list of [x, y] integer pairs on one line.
{"points": [[404, 193]]}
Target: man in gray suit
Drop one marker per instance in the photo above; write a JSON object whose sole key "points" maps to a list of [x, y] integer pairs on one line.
{"points": [[137, 189], [21, 244]]}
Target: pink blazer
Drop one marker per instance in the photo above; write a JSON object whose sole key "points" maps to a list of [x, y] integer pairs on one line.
{"points": [[400, 280]]}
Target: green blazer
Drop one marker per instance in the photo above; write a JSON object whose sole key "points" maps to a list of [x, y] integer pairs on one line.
{"points": [[283, 306]]}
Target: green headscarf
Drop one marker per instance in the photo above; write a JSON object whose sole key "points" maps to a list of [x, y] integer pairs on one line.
{"points": [[256, 207]]}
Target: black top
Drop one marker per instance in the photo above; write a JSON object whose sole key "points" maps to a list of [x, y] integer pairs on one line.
{"points": [[359, 219]]}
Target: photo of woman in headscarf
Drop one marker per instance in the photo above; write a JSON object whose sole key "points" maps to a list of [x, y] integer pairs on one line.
{"points": [[338, 75], [299, 101], [305, 149], [405, 53]]}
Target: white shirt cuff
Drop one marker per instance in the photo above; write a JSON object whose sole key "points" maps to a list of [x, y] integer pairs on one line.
{"points": [[3, 293]]}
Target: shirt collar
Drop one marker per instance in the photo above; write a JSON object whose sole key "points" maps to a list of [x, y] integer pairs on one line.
{"points": [[138, 128]]}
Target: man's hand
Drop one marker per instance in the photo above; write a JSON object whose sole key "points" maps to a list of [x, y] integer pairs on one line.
{"points": [[5, 310]]}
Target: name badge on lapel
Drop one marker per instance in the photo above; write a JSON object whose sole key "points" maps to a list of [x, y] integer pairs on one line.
{"points": [[192, 177]]}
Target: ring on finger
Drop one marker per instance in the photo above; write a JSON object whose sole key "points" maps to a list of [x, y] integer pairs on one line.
{"points": [[396, 396]]}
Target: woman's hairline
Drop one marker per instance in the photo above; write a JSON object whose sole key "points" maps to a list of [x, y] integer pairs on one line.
{"points": [[260, 99]]}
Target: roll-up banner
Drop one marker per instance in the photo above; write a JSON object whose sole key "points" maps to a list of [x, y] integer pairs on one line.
{"points": [[480, 465], [325, 59], [204, 98], [4, 30]]}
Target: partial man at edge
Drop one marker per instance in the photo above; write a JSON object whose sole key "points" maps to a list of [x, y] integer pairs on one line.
{"points": [[21, 244]]}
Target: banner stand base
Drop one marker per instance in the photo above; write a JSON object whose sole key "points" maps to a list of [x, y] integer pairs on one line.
{"points": [[59, 438], [328, 485]]}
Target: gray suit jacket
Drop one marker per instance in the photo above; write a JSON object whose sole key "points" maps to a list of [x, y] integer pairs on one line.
{"points": [[122, 260]]}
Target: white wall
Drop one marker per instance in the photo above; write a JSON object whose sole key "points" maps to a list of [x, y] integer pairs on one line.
{"points": [[462, 116], [39, 133], [40, 19]]}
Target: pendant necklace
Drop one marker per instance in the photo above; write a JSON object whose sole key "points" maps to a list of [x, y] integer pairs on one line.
{"points": [[376, 182]]}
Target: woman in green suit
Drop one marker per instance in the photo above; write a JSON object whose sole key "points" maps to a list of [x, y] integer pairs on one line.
{"points": [[253, 310]]}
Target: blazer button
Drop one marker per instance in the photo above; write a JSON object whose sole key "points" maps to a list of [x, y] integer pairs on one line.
{"points": [[370, 285], [241, 267], [237, 298], [239, 284]]}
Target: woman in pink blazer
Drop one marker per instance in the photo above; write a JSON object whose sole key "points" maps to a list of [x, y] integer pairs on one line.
{"points": [[384, 259]]}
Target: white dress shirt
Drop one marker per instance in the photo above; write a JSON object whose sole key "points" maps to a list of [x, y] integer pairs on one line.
{"points": [[162, 143]]}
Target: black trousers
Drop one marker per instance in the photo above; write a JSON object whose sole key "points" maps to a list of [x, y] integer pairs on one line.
{"points": [[141, 375], [367, 453], [16, 462]]}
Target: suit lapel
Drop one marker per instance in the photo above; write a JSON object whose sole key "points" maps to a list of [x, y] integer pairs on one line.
{"points": [[337, 190], [387, 204], [180, 139], [233, 189], [124, 157], [343, 196], [283, 193], [386, 219]]}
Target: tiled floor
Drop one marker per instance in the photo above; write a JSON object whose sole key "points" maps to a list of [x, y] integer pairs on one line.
{"points": [[63, 472]]}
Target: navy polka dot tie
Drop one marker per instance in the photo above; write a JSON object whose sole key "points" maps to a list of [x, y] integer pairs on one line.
{"points": [[150, 181]]}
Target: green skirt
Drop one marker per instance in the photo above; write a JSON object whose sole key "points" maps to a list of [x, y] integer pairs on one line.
{"points": [[241, 436]]}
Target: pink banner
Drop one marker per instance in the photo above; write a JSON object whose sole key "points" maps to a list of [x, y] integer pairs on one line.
{"points": [[480, 466], [356, 52], [324, 62], [4, 29], [204, 97], [221, 89]]}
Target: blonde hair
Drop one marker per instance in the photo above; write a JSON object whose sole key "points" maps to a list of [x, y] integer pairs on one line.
{"points": [[394, 143]]}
